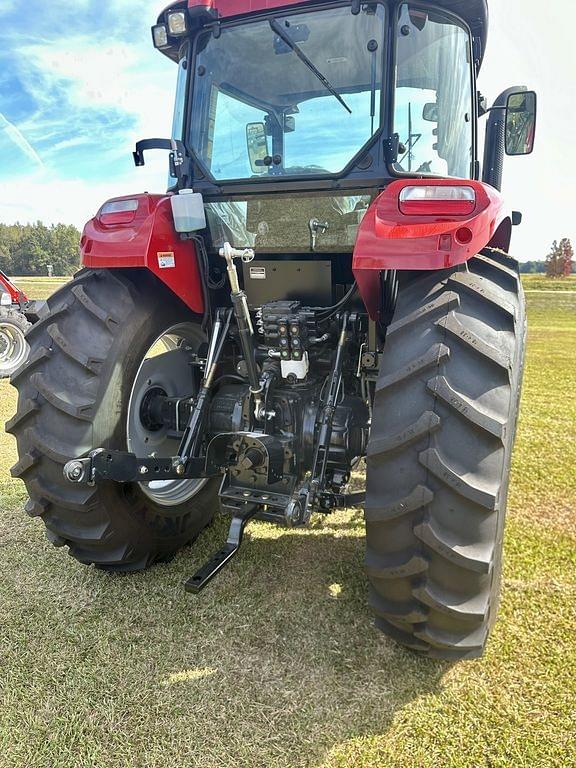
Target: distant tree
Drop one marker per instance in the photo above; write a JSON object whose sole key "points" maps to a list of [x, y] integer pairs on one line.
{"points": [[27, 249], [9, 237], [4, 261], [554, 261], [567, 256]]}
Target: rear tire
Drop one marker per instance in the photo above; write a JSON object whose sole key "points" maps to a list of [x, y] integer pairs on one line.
{"points": [[74, 395], [439, 453], [13, 345]]}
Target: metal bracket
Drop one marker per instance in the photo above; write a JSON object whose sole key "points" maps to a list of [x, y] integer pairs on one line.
{"points": [[330, 501], [122, 467], [269, 447], [391, 148], [221, 558]]}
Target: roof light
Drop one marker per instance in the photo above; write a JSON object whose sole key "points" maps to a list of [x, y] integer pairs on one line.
{"points": [[177, 23], [160, 36], [436, 199]]}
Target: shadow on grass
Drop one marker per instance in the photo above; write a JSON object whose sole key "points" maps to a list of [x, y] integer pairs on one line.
{"points": [[276, 664], [286, 630]]}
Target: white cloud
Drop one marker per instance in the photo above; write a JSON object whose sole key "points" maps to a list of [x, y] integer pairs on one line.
{"points": [[97, 74], [40, 196], [98, 91], [9, 134], [77, 141], [103, 75]]}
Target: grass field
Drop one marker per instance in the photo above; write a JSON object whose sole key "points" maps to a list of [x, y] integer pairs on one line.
{"points": [[39, 287], [277, 664], [543, 283], [42, 287]]}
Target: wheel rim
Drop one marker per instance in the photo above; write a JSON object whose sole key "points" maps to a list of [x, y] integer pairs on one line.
{"points": [[166, 367], [13, 347]]}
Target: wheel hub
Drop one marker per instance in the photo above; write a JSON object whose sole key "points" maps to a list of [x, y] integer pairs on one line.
{"points": [[13, 348], [5, 345], [166, 371], [149, 419]]}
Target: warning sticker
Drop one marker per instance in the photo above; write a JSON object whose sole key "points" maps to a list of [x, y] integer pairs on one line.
{"points": [[166, 260]]}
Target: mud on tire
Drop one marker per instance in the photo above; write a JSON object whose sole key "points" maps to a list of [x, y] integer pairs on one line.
{"points": [[73, 397], [439, 455]]}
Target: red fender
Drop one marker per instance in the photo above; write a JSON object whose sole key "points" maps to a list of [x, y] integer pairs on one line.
{"points": [[145, 238], [390, 239]]}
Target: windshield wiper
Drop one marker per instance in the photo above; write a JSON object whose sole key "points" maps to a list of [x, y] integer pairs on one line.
{"points": [[305, 60]]}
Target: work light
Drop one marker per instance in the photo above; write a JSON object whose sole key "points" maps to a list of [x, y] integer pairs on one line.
{"points": [[160, 36], [435, 199], [177, 24], [118, 211], [119, 206], [5, 299]]}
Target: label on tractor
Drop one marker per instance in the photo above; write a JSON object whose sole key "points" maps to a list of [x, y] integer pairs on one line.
{"points": [[166, 260], [258, 273]]}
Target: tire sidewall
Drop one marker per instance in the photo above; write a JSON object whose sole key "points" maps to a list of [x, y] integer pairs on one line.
{"points": [[436, 516]]}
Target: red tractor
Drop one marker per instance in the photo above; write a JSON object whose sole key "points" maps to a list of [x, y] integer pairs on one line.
{"points": [[326, 280], [17, 314]]}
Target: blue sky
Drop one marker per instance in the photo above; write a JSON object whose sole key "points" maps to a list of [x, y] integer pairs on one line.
{"points": [[80, 82]]}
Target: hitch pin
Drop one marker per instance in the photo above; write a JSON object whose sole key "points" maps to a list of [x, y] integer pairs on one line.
{"points": [[78, 471]]}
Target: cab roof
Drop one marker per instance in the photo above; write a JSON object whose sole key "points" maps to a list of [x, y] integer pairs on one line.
{"points": [[473, 12]]}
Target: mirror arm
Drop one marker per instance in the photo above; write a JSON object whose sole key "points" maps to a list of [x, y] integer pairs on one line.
{"points": [[180, 160], [494, 145]]}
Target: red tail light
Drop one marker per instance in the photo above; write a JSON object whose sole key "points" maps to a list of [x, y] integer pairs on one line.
{"points": [[437, 200]]}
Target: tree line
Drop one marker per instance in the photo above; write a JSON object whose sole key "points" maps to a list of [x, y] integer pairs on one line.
{"points": [[29, 249], [532, 267]]}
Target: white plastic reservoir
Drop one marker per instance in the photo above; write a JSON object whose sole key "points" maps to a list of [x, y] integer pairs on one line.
{"points": [[188, 211]]}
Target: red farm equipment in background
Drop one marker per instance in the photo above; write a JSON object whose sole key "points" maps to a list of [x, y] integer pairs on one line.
{"points": [[17, 314]]}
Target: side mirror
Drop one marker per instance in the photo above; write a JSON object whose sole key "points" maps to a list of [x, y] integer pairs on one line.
{"points": [[430, 112], [520, 122], [257, 146]]}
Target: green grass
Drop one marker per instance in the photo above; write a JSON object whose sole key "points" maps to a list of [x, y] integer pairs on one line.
{"points": [[543, 283], [39, 287], [277, 664]]}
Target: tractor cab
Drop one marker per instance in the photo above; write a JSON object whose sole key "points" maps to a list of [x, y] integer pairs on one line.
{"points": [[305, 112]]}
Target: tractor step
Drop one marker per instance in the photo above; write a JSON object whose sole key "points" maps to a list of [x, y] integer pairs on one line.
{"points": [[221, 558]]}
